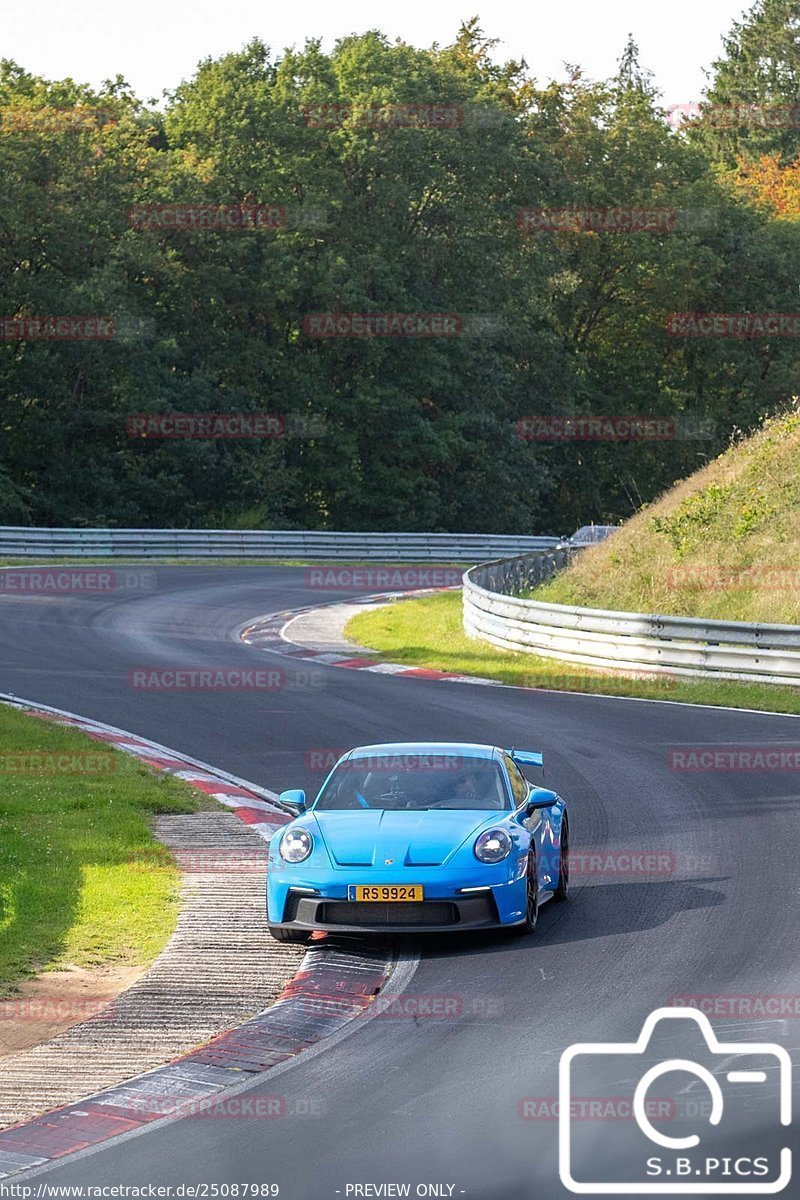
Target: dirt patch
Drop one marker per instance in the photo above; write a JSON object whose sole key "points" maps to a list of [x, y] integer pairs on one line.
{"points": [[56, 1000]]}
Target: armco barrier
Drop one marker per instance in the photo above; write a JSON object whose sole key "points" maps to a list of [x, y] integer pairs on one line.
{"points": [[39, 543], [619, 640]]}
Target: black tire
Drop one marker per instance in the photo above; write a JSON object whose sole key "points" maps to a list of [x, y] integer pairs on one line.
{"points": [[290, 935], [527, 926], [562, 890]]}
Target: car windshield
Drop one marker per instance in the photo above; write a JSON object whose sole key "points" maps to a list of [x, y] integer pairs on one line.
{"points": [[592, 533], [415, 783]]}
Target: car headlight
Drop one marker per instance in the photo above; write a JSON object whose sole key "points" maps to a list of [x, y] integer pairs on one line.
{"points": [[296, 845], [493, 846]]}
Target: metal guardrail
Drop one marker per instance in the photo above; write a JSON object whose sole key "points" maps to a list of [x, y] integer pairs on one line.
{"points": [[19, 541], [641, 642]]}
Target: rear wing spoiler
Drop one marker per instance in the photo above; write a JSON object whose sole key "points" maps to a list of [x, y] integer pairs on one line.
{"points": [[529, 758]]}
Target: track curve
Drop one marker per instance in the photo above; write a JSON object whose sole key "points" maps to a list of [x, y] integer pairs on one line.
{"points": [[436, 1100]]}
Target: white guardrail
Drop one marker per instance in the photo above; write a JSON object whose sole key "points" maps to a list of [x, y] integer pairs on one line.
{"points": [[596, 637], [19, 541]]}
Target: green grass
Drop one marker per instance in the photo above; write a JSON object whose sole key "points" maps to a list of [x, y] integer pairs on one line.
{"points": [[723, 543], [428, 633], [82, 880]]}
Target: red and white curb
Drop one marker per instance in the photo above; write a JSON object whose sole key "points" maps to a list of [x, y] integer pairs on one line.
{"points": [[331, 989], [254, 805], [333, 986], [271, 633]]}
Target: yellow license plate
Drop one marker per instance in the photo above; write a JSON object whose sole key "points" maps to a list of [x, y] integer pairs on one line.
{"points": [[384, 892]]}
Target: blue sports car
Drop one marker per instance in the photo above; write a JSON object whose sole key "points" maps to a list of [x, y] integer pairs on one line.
{"points": [[419, 836]]}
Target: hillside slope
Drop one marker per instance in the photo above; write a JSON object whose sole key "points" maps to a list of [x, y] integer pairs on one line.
{"points": [[723, 543]]}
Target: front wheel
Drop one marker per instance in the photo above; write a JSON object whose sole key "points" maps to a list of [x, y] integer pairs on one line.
{"points": [[562, 889], [531, 903], [290, 935]]}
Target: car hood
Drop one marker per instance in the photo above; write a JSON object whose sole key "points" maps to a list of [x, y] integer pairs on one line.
{"points": [[428, 838]]}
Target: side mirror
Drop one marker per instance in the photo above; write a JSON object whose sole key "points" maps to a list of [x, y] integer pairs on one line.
{"points": [[294, 798], [541, 798]]}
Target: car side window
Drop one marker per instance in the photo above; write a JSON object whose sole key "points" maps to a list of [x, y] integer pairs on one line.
{"points": [[519, 786]]}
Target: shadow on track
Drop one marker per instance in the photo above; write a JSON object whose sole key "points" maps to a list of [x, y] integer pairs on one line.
{"points": [[594, 911]]}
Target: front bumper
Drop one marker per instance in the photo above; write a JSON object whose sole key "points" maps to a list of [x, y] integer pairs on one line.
{"points": [[433, 916], [324, 904]]}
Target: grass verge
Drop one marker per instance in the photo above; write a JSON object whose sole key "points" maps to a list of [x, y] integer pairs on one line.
{"points": [[723, 543], [82, 880], [428, 633]]}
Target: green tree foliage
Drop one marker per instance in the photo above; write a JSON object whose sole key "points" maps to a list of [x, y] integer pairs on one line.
{"points": [[414, 433], [755, 87]]}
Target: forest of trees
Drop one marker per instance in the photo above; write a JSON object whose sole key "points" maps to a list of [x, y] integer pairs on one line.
{"points": [[416, 212]]}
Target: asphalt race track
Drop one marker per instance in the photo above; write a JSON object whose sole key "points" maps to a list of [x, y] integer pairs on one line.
{"points": [[436, 1100]]}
